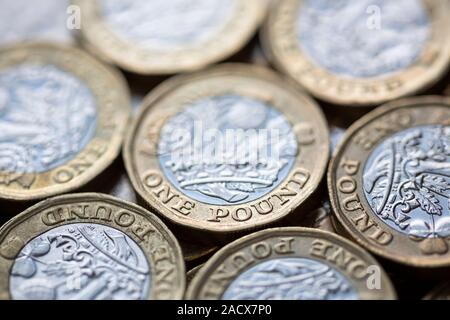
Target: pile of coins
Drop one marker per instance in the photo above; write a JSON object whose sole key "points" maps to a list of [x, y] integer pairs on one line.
{"points": [[225, 149]]}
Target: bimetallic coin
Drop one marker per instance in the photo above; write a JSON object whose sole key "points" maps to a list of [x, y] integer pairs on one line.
{"points": [[389, 181], [62, 119], [228, 149], [23, 20], [360, 52], [165, 37], [89, 247], [290, 264]]}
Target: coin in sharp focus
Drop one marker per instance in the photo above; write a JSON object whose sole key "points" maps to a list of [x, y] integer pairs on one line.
{"points": [[389, 181], [22, 20], [166, 37], [290, 264], [89, 246], [62, 119], [360, 52], [229, 149]]}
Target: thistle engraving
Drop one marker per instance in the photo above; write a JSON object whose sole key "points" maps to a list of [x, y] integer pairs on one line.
{"points": [[167, 25], [81, 261], [234, 164], [291, 279], [407, 181], [47, 117]]}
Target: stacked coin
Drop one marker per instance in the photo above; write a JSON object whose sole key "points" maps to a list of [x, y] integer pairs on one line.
{"points": [[89, 246], [180, 162], [224, 167], [289, 263], [362, 53]]}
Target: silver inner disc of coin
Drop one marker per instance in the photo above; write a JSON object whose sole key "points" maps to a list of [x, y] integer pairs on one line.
{"points": [[227, 149], [47, 116], [167, 25], [82, 261], [22, 20], [407, 181], [291, 279], [364, 38]]}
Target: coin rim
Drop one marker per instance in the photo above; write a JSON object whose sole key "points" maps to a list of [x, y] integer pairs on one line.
{"points": [[114, 143], [122, 59], [240, 69], [233, 247], [413, 86], [335, 159], [100, 197]]}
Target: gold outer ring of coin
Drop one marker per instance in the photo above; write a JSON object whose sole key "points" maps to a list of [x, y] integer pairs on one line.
{"points": [[97, 37], [345, 176], [167, 100], [279, 39], [158, 244], [218, 273], [113, 113]]}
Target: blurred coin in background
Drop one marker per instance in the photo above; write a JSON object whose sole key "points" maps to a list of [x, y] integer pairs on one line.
{"points": [[62, 119], [229, 149], [166, 37], [441, 292], [320, 218], [389, 181], [360, 52], [290, 264], [89, 247], [43, 20]]}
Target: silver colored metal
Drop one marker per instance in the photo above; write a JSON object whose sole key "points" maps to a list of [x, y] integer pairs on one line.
{"points": [[366, 38], [407, 181], [81, 261], [47, 116], [291, 279], [22, 20], [213, 158], [167, 25]]}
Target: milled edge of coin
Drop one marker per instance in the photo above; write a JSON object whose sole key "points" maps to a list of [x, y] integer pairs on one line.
{"points": [[133, 60], [113, 142], [434, 47], [341, 222], [202, 275], [15, 245], [239, 69]]}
